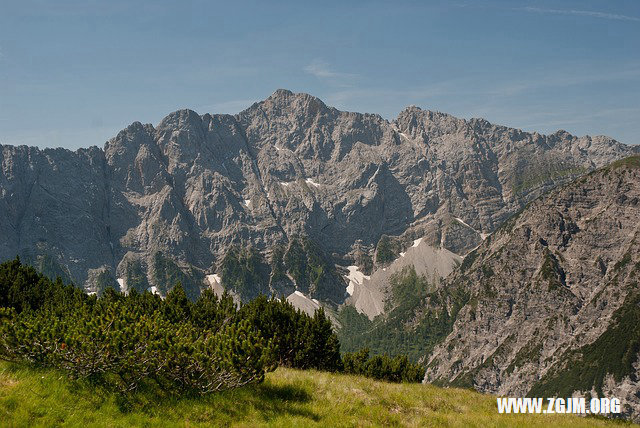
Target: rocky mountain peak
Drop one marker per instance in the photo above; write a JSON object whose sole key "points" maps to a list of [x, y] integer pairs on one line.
{"points": [[286, 103], [128, 140], [194, 185], [185, 119], [281, 93], [131, 132], [424, 123]]}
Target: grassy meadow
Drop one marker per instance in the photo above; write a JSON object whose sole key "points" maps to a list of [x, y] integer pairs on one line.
{"points": [[40, 397]]}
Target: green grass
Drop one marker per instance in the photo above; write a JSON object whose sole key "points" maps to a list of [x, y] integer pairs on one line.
{"points": [[544, 174], [628, 162], [30, 397]]}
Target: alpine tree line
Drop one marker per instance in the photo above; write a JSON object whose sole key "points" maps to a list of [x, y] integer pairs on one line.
{"points": [[200, 346]]}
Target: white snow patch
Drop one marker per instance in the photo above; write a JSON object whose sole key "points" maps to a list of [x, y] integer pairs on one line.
{"points": [[286, 183], [351, 288], [120, 282], [462, 221], [153, 289], [402, 254], [247, 203], [482, 235], [313, 183], [282, 149], [215, 283], [355, 277], [302, 302], [355, 274], [214, 279], [92, 293], [416, 242], [404, 135]]}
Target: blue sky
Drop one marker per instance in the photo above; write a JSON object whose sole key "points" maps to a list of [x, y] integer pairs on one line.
{"points": [[73, 73]]}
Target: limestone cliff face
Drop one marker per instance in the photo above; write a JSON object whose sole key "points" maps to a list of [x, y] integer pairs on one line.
{"points": [[194, 185], [553, 304]]}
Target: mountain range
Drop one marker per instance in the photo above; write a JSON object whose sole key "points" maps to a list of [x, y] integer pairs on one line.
{"points": [[193, 186], [526, 243]]}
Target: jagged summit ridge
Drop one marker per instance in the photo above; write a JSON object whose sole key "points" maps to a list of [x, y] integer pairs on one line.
{"points": [[194, 185], [284, 101]]}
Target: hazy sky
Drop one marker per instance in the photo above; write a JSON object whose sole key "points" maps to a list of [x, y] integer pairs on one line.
{"points": [[73, 73]]}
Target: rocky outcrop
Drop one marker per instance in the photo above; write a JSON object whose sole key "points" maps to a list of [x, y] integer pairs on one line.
{"points": [[552, 298], [194, 185]]}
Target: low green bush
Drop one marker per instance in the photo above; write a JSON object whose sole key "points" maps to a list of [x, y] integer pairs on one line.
{"points": [[382, 367]]}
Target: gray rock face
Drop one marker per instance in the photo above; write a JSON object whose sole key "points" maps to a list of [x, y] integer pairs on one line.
{"points": [[553, 298], [194, 185]]}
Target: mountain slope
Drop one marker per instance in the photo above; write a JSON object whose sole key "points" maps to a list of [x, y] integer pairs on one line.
{"points": [[185, 191], [369, 293], [552, 298]]}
